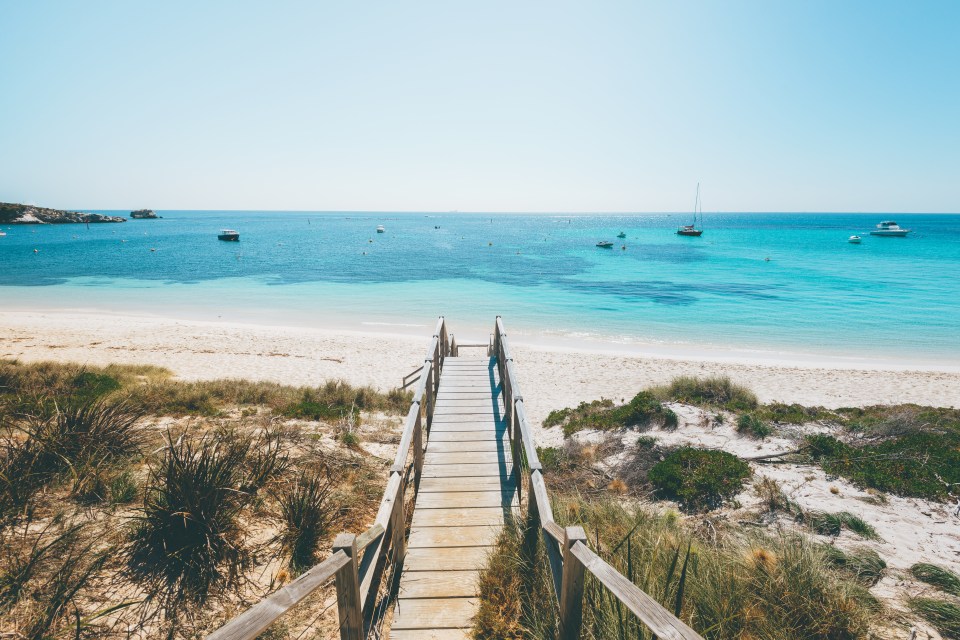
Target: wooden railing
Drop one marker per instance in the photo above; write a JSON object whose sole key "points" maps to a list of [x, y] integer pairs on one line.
{"points": [[568, 553], [359, 562]]}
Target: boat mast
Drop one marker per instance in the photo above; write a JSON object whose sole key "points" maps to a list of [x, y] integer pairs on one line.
{"points": [[695, 203]]}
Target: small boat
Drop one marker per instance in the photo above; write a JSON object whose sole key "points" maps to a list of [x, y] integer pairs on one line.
{"points": [[3, 233], [380, 228], [854, 240], [229, 235], [605, 244], [621, 235], [890, 229], [691, 229]]}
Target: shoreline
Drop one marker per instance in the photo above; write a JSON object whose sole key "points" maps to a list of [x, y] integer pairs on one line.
{"points": [[552, 377]]}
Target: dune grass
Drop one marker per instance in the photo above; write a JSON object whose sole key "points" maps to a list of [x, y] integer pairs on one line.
{"points": [[642, 410], [753, 427], [712, 391], [743, 586], [308, 511], [944, 579], [830, 524], [943, 615], [863, 565]]}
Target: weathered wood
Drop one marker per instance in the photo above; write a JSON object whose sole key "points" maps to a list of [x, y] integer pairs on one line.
{"points": [[431, 634], [369, 536], [660, 621], [468, 516], [466, 457], [446, 485], [466, 536], [348, 589], [464, 470], [418, 452], [571, 588], [412, 420], [255, 620], [537, 487], [439, 584], [529, 447], [447, 559], [398, 526], [463, 499], [432, 613], [466, 435], [488, 445]]}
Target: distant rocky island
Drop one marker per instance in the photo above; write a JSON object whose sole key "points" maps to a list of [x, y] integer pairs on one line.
{"points": [[144, 214], [12, 213]]}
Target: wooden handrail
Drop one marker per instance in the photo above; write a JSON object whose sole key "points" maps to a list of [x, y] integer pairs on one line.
{"points": [[358, 563], [567, 551]]}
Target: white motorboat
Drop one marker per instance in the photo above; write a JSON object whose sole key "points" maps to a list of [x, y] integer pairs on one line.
{"points": [[854, 240], [891, 229], [380, 228]]}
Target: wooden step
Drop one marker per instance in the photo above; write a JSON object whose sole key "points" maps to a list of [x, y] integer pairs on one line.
{"points": [[462, 499], [438, 584], [446, 485], [446, 558], [432, 613], [469, 457], [439, 446], [465, 470], [466, 536], [461, 517]]}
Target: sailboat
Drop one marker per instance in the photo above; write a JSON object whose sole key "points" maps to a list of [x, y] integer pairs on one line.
{"points": [[691, 229]]}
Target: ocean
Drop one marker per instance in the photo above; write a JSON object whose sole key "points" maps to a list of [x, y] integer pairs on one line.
{"points": [[787, 286]]}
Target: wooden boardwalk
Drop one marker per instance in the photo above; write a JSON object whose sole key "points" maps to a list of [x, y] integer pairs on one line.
{"points": [[466, 492]]}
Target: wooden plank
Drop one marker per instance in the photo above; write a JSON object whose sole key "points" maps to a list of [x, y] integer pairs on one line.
{"points": [[491, 435], [432, 613], [500, 444], [471, 536], [431, 634], [485, 419], [459, 499], [446, 485], [439, 584], [476, 425], [461, 517], [446, 558], [463, 470], [469, 457]]}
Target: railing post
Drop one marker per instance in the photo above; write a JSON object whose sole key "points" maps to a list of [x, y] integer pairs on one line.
{"points": [[398, 523], [428, 392], [571, 596], [348, 589], [517, 439], [417, 450]]}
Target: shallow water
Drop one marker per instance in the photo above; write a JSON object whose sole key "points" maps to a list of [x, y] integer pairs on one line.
{"points": [[892, 298]]}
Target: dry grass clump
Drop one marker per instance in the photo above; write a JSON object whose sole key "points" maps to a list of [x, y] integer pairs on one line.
{"points": [[712, 391], [741, 586], [771, 495], [308, 512]]}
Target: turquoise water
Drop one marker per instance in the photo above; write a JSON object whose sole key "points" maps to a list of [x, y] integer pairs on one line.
{"points": [[817, 294]]}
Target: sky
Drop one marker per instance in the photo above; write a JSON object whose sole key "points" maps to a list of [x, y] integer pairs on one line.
{"points": [[481, 106]]}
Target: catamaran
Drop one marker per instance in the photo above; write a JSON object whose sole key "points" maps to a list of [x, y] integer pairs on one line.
{"points": [[691, 229]]}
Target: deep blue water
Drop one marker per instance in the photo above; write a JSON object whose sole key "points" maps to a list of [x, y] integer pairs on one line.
{"points": [[817, 294]]}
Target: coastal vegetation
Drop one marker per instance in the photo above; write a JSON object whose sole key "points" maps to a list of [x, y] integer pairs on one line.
{"points": [[136, 505], [766, 568]]}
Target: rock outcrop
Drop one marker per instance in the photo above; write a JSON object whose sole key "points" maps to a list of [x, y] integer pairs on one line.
{"points": [[11, 213], [143, 214]]}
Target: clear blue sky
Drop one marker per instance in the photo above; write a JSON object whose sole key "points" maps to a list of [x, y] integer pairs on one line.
{"points": [[481, 106]]}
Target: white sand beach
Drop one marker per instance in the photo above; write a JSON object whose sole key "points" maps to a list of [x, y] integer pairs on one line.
{"points": [[552, 377]]}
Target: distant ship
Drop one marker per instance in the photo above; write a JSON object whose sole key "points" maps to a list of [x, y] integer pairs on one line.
{"points": [[604, 244], [229, 235], [691, 229], [891, 229], [380, 228]]}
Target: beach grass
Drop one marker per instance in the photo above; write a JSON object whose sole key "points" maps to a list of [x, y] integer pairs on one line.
{"points": [[740, 586], [644, 409], [943, 615], [943, 579], [712, 391]]}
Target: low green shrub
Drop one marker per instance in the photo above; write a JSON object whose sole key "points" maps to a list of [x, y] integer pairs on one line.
{"points": [[916, 464], [753, 427], [792, 413], [944, 579], [699, 479], [642, 410]]}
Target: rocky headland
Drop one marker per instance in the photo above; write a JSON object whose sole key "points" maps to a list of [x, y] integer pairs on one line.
{"points": [[12, 213], [143, 214]]}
